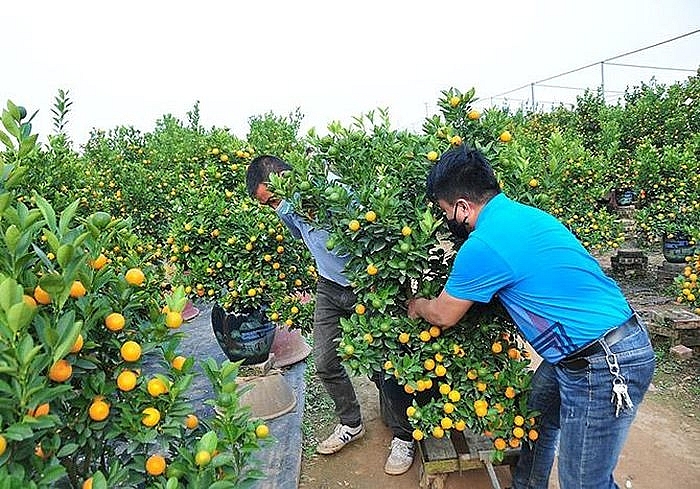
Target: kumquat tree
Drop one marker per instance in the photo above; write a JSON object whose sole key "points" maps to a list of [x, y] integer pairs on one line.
{"points": [[366, 183], [94, 388], [100, 250]]}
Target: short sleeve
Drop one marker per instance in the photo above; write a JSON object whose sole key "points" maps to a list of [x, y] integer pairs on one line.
{"points": [[478, 272]]}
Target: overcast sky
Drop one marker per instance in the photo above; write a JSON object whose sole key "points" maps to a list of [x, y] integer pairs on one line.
{"points": [[129, 62]]}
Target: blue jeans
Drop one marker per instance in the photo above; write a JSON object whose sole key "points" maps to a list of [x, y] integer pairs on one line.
{"points": [[576, 413]]}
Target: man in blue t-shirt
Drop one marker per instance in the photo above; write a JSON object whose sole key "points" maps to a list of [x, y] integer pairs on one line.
{"points": [[593, 345], [335, 299]]}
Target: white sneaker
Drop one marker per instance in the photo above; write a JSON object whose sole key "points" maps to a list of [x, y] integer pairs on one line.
{"points": [[341, 436], [400, 458]]}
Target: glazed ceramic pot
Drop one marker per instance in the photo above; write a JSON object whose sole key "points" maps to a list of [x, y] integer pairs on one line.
{"points": [[677, 247], [624, 197], [245, 335]]}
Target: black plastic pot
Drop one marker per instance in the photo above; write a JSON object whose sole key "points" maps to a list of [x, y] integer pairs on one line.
{"points": [[246, 335], [676, 248]]}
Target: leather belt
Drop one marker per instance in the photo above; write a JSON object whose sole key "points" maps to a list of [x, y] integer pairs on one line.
{"points": [[577, 360]]}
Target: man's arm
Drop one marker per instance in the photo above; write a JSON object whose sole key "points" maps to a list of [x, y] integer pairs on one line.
{"points": [[290, 219], [443, 311]]}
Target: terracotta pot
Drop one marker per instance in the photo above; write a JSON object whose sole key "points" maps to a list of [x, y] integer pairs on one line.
{"points": [[289, 347]]}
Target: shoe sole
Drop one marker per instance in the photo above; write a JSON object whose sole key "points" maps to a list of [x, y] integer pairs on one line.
{"points": [[331, 451], [397, 471]]}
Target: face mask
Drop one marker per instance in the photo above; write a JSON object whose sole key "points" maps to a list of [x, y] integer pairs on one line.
{"points": [[459, 230]]}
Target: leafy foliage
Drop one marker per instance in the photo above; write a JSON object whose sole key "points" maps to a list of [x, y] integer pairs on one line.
{"points": [[366, 184], [172, 202], [60, 111], [91, 389]]}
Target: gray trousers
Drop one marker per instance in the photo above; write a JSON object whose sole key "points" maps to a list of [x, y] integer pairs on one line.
{"points": [[333, 302]]}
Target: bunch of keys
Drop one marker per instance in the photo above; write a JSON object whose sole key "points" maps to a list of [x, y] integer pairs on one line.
{"points": [[620, 395]]}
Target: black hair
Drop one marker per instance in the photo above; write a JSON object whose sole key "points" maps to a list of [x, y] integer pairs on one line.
{"points": [[260, 169], [462, 173]]}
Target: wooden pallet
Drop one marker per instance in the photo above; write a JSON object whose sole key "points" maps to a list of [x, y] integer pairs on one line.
{"points": [[456, 453]]}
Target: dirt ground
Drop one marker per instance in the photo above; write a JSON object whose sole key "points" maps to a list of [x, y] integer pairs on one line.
{"points": [[662, 446], [662, 450]]}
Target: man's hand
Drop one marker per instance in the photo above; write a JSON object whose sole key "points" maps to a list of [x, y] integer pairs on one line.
{"points": [[413, 307], [443, 311]]}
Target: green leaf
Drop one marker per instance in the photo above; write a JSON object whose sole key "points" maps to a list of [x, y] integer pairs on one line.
{"points": [[68, 449], [4, 386], [31, 217], [67, 216], [223, 485], [27, 146], [10, 124], [25, 129], [14, 110], [52, 474], [228, 369], [80, 239], [10, 293], [52, 240], [47, 211], [4, 202], [6, 140], [52, 283], [18, 317], [222, 459], [65, 254], [98, 480], [25, 345], [18, 432], [68, 331], [208, 442], [12, 236]]}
